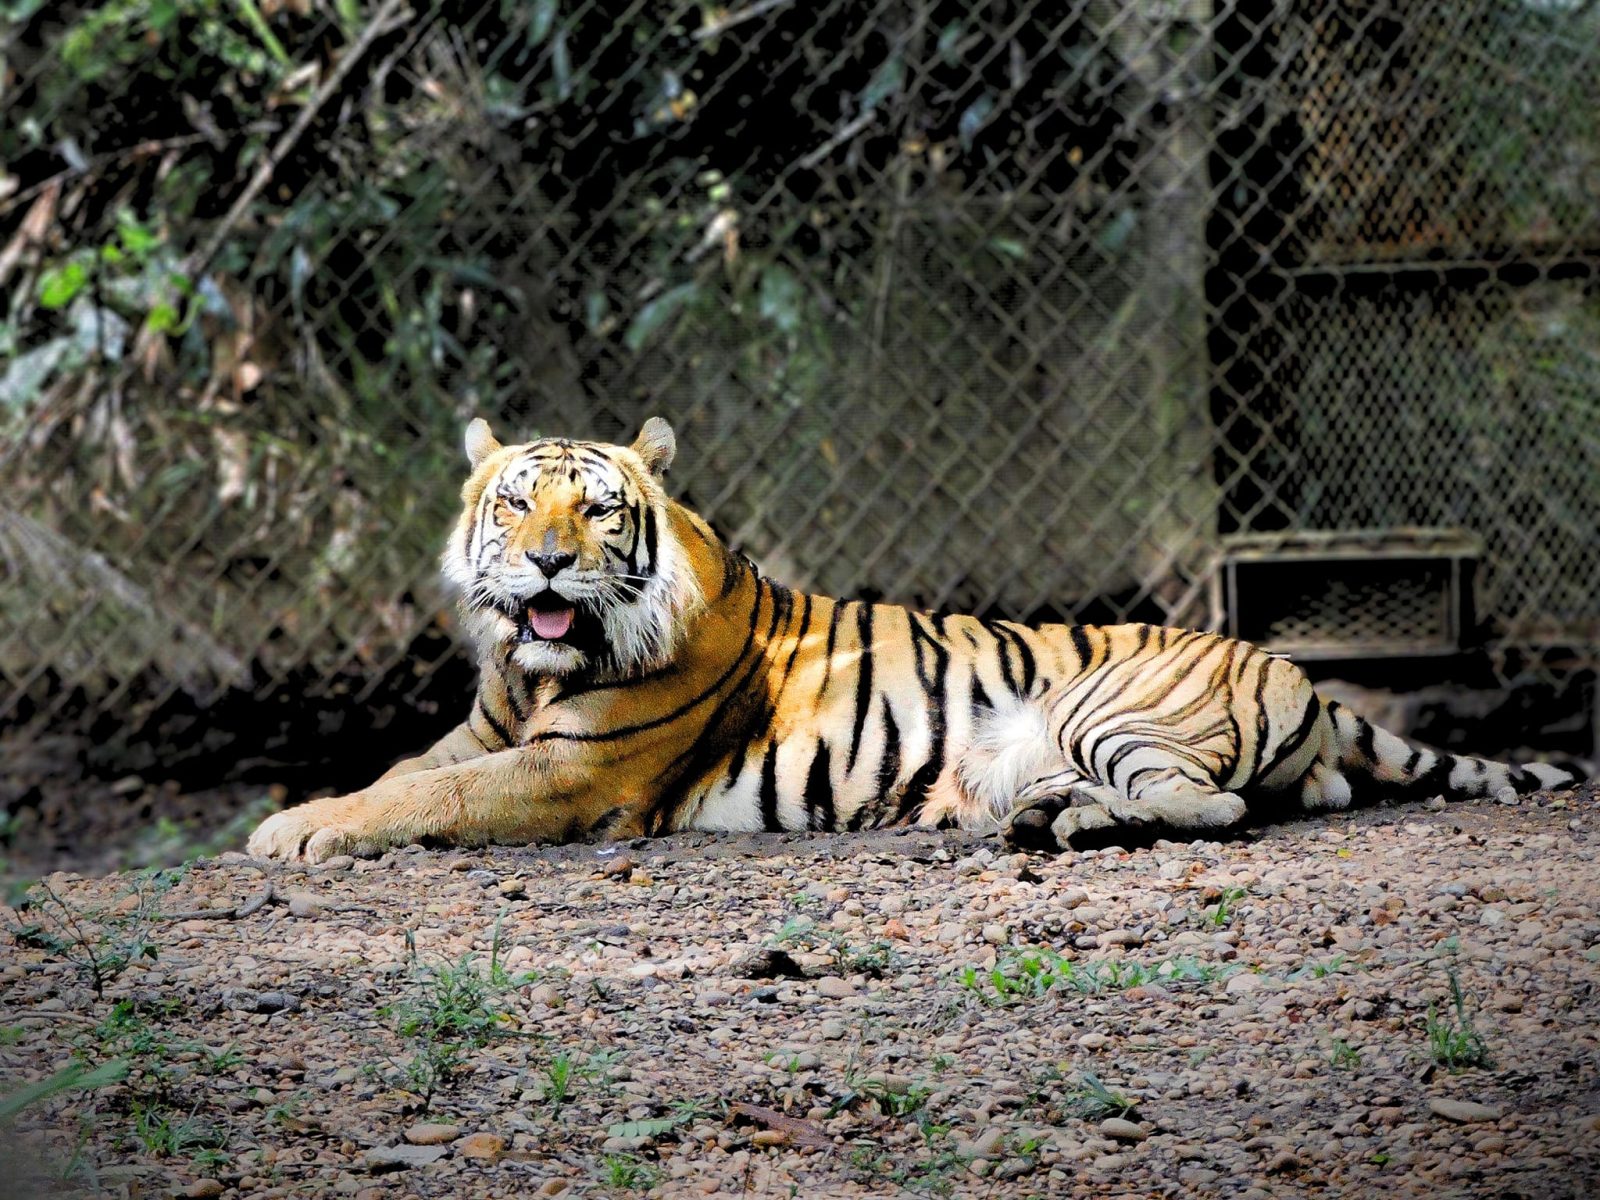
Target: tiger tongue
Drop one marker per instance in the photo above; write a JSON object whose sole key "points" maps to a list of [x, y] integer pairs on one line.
{"points": [[552, 623]]}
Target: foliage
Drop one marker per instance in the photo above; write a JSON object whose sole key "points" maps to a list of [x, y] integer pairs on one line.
{"points": [[75, 1077], [99, 943], [1029, 974], [1453, 1039]]}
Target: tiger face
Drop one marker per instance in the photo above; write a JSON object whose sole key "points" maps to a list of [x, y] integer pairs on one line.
{"points": [[562, 555]]}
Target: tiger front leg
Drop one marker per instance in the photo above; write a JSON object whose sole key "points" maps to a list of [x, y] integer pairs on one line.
{"points": [[514, 796]]}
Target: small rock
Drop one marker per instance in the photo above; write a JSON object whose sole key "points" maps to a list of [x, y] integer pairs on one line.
{"points": [[832, 1030], [1242, 983], [986, 1144], [551, 1187], [304, 905], [487, 1146], [1462, 1111], [895, 928], [398, 1158], [1172, 869], [833, 988], [430, 1134], [245, 1000], [1434, 803], [768, 1137], [1507, 795], [339, 862], [202, 1189], [513, 889], [1122, 1130], [1093, 1041], [1283, 1161], [767, 964], [622, 864], [1120, 937]]}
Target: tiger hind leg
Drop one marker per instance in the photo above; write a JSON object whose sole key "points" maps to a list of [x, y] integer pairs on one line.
{"points": [[1062, 813]]}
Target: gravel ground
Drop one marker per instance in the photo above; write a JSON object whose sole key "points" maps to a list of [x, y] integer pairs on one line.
{"points": [[832, 1015]]}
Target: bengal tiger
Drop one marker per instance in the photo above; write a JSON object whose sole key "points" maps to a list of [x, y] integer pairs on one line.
{"points": [[639, 677]]}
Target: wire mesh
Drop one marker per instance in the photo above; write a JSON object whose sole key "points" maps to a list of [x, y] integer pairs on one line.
{"points": [[1019, 308]]}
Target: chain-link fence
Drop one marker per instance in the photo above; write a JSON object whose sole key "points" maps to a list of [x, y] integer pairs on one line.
{"points": [[1031, 309]]}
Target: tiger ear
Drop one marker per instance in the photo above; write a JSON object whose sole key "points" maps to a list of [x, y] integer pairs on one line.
{"points": [[656, 445], [480, 442]]}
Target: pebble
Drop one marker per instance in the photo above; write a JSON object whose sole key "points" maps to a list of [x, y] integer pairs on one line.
{"points": [[304, 906], [398, 1158], [430, 1134], [1123, 1130], [203, 1189], [831, 987], [832, 1030], [551, 1187], [1462, 1111], [490, 1147]]}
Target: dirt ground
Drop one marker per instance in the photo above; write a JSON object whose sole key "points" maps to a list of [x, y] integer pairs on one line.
{"points": [[1400, 1000]]}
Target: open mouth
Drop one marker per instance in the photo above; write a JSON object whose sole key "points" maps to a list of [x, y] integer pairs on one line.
{"points": [[549, 617]]}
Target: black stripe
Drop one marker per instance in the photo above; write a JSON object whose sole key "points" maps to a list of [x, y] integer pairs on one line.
{"points": [[1002, 646], [1080, 645], [500, 730], [827, 653], [863, 684], [932, 677], [651, 537], [1411, 763], [1366, 739], [1294, 740], [819, 791], [888, 771], [769, 789], [607, 735], [805, 625], [980, 698], [1030, 669]]}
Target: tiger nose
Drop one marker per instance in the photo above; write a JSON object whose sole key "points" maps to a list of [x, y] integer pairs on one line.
{"points": [[553, 564]]}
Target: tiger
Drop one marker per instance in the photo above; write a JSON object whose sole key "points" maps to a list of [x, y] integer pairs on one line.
{"points": [[639, 677]]}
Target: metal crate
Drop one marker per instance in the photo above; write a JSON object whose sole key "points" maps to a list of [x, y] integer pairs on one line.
{"points": [[1359, 594]]}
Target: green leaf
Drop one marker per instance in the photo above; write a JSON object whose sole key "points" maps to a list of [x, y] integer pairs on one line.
{"points": [[136, 239], [1008, 248], [950, 42], [1115, 235], [540, 21], [59, 285], [973, 119], [77, 1077], [163, 318], [884, 83], [656, 314], [782, 297], [561, 65]]}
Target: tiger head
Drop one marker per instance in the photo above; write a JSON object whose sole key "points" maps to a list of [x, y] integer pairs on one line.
{"points": [[564, 555]]}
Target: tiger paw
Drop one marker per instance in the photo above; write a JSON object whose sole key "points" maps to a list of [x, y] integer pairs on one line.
{"points": [[1029, 829], [310, 832]]}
